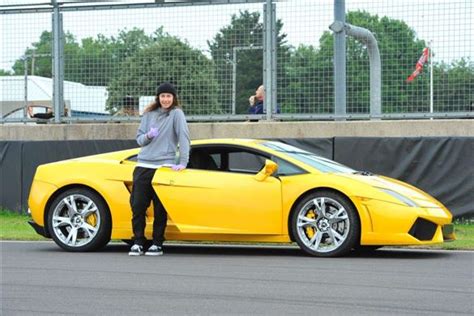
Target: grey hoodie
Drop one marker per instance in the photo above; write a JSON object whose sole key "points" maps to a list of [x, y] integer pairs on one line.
{"points": [[172, 130]]}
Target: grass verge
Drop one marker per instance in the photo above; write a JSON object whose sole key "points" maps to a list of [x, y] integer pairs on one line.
{"points": [[464, 238], [14, 226]]}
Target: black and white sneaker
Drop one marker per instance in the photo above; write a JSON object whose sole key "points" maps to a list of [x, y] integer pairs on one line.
{"points": [[154, 250], [136, 250]]}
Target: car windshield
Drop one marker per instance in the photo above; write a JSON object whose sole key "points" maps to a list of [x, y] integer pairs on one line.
{"points": [[315, 161]]}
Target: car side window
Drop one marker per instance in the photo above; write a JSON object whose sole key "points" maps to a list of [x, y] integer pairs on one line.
{"points": [[203, 160], [245, 162], [285, 168]]}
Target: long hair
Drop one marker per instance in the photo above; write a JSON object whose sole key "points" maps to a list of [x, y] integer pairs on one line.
{"points": [[156, 104]]}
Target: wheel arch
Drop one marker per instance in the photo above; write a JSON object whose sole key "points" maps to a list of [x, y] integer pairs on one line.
{"points": [[64, 189], [314, 190]]}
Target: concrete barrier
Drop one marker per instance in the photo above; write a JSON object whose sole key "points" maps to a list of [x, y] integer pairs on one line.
{"points": [[405, 128]]}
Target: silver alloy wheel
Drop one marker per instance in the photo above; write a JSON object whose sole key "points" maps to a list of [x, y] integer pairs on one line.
{"points": [[323, 224], [76, 220]]}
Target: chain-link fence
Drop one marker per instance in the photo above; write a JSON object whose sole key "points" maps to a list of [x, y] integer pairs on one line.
{"points": [[217, 53]]}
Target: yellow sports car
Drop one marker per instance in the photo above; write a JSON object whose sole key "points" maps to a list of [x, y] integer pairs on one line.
{"points": [[240, 190]]}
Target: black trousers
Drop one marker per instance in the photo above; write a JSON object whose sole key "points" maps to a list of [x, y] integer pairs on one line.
{"points": [[142, 195]]}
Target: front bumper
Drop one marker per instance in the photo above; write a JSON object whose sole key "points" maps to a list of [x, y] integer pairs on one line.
{"points": [[425, 230], [39, 229], [394, 224]]}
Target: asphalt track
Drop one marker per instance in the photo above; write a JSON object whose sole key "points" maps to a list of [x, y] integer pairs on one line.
{"points": [[37, 278]]}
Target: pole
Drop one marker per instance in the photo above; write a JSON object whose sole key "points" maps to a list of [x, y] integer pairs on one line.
{"points": [[234, 80], [431, 77], [366, 37], [340, 61], [25, 107], [33, 64], [269, 57], [58, 62], [235, 51]]}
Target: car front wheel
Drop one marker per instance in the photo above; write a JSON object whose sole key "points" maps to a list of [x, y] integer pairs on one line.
{"points": [[79, 220], [325, 224]]}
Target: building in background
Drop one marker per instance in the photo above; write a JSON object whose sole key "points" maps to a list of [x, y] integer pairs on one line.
{"points": [[80, 100]]}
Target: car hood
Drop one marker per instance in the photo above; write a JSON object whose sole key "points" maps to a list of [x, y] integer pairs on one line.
{"points": [[421, 198], [115, 157]]}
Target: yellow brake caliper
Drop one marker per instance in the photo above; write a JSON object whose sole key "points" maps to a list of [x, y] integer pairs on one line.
{"points": [[91, 220], [310, 231]]}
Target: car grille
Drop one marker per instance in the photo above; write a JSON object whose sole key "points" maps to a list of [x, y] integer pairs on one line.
{"points": [[423, 229]]}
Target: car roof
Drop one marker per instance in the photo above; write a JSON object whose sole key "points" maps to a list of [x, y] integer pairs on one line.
{"points": [[227, 141]]}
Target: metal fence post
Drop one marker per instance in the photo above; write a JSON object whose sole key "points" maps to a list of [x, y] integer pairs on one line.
{"points": [[58, 62], [340, 61], [234, 80], [25, 107], [269, 57], [366, 37], [235, 51]]}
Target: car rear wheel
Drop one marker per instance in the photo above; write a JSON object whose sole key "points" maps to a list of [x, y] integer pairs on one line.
{"points": [[79, 220], [325, 224]]}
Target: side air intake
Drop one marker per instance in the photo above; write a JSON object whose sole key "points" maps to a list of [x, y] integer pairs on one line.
{"points": [[423, 229]]}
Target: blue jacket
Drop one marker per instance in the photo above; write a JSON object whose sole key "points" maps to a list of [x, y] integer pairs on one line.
{"points": [[257, 108]]}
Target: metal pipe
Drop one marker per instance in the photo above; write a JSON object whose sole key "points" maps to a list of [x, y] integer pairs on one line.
{"points": [[235, 51], [58, 77], [25, 107], [273, 91], [366, 37], [340, 60], [234, 80], [431, 76], [269, 57]]}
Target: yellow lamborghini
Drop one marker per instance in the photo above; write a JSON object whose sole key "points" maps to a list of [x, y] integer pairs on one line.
{"points": [[240, 190]]}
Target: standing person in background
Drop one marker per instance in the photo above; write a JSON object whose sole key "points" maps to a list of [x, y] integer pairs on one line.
{"points": [[256, 101], [257, 105], [162, 128]]}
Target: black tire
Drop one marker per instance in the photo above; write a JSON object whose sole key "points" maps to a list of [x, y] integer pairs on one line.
{"points": [[329, 233], [79, 220]]}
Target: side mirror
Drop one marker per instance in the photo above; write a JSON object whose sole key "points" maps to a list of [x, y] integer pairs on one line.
{"points": [[267, 170]]}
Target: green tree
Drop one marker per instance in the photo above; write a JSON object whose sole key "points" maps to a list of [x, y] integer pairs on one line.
{"points": [[453, 86], [93, 62], [167, 59], [243, 36], [41, 55], [307, 81], [399, 49], [4, 72], [99, 59]]}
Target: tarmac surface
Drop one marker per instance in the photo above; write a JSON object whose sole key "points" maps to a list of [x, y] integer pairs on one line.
{"points": [[38, 278]]}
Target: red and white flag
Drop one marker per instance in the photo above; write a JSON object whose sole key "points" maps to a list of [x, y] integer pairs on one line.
{"points": [[419, 64]]}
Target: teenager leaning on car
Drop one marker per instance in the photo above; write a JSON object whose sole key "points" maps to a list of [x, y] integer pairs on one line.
{"points": [[162, 128]]}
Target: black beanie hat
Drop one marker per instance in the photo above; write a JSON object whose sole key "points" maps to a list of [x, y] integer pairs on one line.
{"points": [[166, 87]]}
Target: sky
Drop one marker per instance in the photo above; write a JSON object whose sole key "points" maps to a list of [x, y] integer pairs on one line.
{"points": [[447, 23]]}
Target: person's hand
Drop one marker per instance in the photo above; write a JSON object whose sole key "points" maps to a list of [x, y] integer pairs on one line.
{"points": [[152, 133], [178, 167], [252, 100]]}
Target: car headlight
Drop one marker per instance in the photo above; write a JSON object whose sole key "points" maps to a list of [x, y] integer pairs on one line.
{"points": [[399, 197]]}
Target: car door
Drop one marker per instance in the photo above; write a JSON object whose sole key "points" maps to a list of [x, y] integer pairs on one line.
{"points": [[229, 200]]}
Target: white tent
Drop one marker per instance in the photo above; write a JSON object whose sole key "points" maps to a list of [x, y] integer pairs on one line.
{"points": [[77, 97]]}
